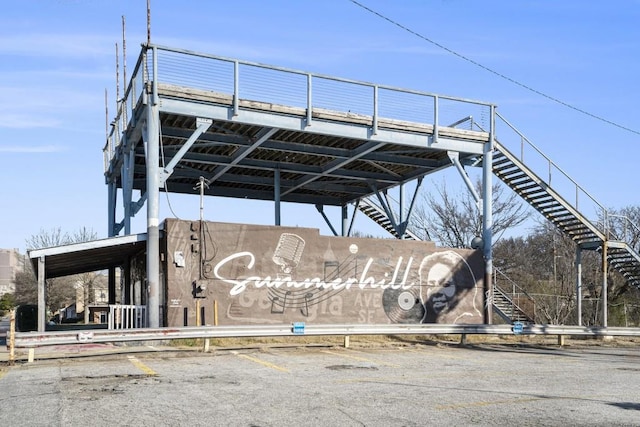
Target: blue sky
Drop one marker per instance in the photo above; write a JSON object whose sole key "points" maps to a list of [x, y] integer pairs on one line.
{"points": [[57, 57]]}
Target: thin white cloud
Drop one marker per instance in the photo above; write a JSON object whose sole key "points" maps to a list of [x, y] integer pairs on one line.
{"points": [[27, 121], [42, 107], [56, 45], [41, 149], [302, 54], [56, 75]]}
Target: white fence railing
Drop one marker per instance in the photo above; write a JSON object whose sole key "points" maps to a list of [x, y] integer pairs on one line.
{"points": [[127, 316]]}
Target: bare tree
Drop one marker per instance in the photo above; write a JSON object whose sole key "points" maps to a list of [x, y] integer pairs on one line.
{"points": [[453, 220], [625, 225], [60, 291], [543, 264], [48, 239], [56, 237]]}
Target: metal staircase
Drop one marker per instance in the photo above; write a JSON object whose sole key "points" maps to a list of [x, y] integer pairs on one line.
{"points": [[600, 236], [542, 197], [587, 235], [506, 308], [380, 217], [514, 305]]}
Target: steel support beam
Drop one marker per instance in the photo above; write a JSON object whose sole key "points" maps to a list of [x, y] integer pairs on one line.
{"points": [[337, 164], [152, 137], [111, 202], [487, 217], [384, 203], [202, 125], [345, 220], [261, 137], [126, 175], [455, 159], [353, 217], [42, 295], [579, 284], [320, 208], [277, 196], [604, 295], [405, 221]]}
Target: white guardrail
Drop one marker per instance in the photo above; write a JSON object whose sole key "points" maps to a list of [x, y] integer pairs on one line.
{"points": [[39, 339]]}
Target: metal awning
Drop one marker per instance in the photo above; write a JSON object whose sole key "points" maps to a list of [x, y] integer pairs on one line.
{"points": [[88, 256]]}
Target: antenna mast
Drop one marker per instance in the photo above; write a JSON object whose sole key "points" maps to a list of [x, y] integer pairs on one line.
{"points": [[106, 115], [117, 80], [124, 68], [124, 55], [148, 22]]}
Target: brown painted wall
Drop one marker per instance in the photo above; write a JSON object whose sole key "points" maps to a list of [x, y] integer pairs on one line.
{"points": [[266, 275]]}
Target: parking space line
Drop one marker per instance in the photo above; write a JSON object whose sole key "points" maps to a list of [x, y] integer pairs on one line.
{"points": [[144, 368], [261, 362], [361, 359], [3, 372]]}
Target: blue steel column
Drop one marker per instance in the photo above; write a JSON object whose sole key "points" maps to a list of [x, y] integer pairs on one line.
{"points": [[127, 185], [401, 218], [112, 196], [153, 197], [111, 275], [276, 195], [487, 217]]}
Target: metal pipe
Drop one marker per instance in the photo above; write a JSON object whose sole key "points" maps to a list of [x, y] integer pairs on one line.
{"points": [[12, 337], [345, 220], [487, 218], [276, 195], [579, 284], [153, 210], [401, 218], [604, 296], [155, 75], [236, 87], [42, 298], [309, 100], [435, 119], [375, 110]]}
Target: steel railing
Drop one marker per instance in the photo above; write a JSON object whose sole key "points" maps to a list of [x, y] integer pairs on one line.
{"points": [[517, 296], [278, 85], [613, 227], [39, 339]]}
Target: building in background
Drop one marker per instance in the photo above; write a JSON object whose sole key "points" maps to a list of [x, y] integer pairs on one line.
{"points": [[11, 261]]}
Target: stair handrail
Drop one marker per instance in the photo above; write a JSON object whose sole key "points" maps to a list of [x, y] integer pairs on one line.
{"points": [[551, 166], [629, 228], [606, 224], [513, 307], [515, 287]]}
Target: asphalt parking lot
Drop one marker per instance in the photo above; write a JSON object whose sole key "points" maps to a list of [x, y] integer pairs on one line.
{"points": [[393, 385]]}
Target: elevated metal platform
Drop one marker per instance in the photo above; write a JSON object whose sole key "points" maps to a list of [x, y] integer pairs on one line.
{"points": [[242, 129], [248, 130], [261, 132]]}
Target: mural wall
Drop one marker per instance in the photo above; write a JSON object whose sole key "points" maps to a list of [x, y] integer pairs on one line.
{"points": [[266, 274]]}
